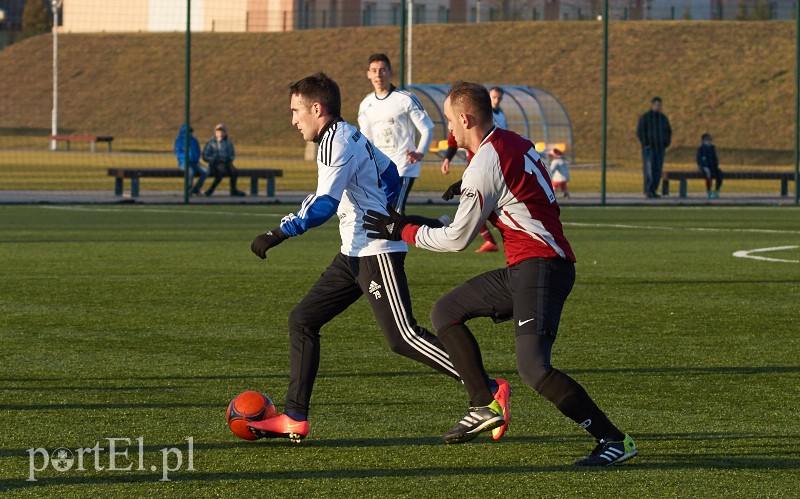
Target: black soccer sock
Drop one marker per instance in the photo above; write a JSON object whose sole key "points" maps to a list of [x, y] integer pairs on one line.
{"points": [[297, 415], [465, 354], [571, 399]]}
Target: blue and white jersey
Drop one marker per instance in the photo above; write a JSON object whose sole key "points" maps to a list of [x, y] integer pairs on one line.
{"points": [[353, 177], [391, 124]]}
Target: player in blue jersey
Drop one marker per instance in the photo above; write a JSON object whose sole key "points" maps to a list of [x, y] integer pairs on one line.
{"points": [[353, 177]]}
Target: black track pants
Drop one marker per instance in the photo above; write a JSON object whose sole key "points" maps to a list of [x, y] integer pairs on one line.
{"points": [[382, 280]]}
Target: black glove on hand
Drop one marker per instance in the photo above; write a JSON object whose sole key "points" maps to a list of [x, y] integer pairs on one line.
{"points": [[452, 191], [266, 241], [380, 226]]}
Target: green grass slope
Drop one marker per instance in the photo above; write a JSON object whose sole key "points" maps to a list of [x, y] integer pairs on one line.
{"points": [[733, 79]]}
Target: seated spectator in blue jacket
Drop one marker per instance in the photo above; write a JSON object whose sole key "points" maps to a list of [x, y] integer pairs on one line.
{"points": [[219, 155], [195, 168], [708, 164]]}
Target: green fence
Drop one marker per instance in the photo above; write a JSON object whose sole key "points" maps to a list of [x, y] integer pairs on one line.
{"points": [[113, 86]]}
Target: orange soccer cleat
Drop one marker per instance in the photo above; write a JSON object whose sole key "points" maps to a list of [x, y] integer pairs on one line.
{"points": [[487, 247], [281, 426]]}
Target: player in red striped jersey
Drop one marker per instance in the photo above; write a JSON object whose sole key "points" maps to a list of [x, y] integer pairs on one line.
{"points": [[507, 183], [489, 244]]}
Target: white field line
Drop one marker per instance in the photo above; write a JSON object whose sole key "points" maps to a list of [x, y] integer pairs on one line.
{"points": [[739, 254], [162, 210], [694, 229], [748, 254], [573, 224]]}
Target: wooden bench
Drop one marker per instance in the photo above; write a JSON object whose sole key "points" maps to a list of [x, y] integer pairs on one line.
{"points": [[91, 139], [683, 176], [120, 174]]}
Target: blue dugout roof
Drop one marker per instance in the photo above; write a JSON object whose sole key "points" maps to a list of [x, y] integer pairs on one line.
{"points": [[531, 112]]}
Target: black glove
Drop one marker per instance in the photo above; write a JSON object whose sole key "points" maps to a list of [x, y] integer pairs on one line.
{"points": [[382, 226], [452, 191], [266, 241]]}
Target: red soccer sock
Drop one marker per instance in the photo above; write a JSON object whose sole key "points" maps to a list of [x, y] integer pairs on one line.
{"points": [[486, 235]]}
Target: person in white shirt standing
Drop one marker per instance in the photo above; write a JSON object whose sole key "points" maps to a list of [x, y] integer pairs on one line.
{"points": [[559, 171], [390, 117], [496, 95], [353, 177]]}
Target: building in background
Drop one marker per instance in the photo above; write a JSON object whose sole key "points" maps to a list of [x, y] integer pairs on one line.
{"points": [[91, 16]]}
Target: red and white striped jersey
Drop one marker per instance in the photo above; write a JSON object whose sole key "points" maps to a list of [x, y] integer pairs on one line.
{"points": [[506, 183]]}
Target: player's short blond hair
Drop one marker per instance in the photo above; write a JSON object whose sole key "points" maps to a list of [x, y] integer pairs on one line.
{"points": [[471, 98]]}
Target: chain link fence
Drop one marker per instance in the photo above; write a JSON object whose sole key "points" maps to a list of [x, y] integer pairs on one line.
{"points": [[106, 91]]}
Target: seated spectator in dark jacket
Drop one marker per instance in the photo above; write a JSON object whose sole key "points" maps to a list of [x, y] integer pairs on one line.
{"points": [[219, 155], [708, 164]]}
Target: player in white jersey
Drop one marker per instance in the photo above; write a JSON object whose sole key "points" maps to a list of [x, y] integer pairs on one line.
{"points": [[508, 184], [353, 177], [390, 118]]}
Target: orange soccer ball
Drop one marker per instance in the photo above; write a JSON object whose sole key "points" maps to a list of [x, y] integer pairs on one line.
{"points": [[248, 406]]}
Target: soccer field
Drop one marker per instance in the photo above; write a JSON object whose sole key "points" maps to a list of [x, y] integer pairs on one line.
{"points": [[134, 326]]}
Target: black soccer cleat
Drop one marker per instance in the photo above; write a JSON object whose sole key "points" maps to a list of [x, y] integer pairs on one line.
{"points": [[607, 453], [475, 421]]}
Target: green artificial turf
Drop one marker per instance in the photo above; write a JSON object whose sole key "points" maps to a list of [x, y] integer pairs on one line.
{"points": [[141, 323]]}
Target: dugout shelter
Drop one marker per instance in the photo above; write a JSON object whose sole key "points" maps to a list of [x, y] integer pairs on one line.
{"points": [[531, 112]]}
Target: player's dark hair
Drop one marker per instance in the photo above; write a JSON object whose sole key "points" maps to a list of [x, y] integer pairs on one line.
{"points": [[319, 87], [497, 89], [381, 58], [705, 136], [655, 99], [472, 98]]}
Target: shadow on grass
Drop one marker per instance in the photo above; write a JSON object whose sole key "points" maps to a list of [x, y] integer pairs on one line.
{"points": [[759, 441], [251, 377], [729, 370], [735, 370], [690, 282], [104, 406], [658, 461], [677, 462], [62, 388]]}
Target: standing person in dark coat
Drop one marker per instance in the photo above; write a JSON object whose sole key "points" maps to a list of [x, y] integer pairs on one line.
{"points": [[219, 155], [655, 135]]}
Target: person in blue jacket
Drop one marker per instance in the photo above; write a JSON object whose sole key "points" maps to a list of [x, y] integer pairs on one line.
{"points": [[708, 164], [195, 168], [219, 155]]}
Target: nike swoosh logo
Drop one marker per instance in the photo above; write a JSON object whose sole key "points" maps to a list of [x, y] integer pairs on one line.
{"points": [[521, 323]]}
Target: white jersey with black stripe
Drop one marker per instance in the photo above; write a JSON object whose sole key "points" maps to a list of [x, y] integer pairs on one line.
{"points": [[349, 171], [391, 124]]}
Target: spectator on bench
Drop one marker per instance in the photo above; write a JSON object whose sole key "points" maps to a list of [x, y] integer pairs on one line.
{"points": [[708, 164], [195, 168], [219, 155]]}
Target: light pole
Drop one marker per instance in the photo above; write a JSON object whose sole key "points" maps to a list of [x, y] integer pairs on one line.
{"points": [[55, 4], [410, 11]]}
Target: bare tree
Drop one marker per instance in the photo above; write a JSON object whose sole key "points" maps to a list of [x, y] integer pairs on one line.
{"points": [[36, 19]]}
